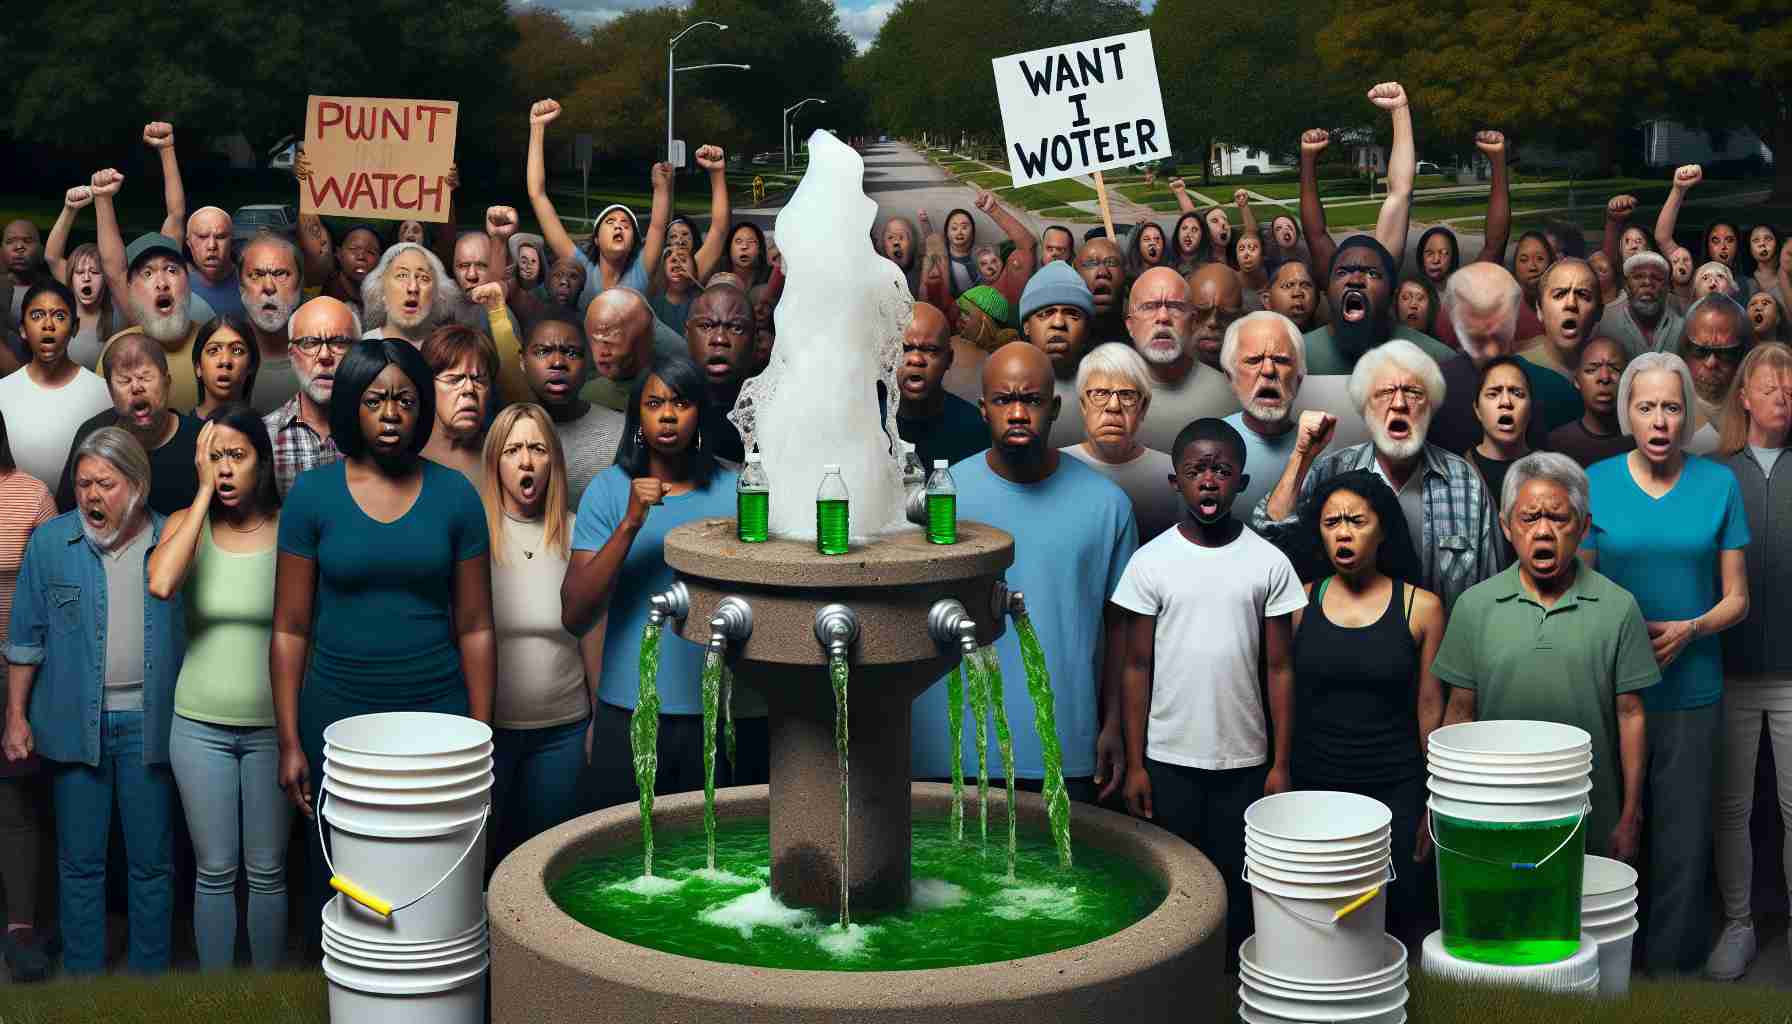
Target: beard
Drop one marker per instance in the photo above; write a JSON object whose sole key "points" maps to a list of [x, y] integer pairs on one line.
{"points": [[272, 320], [317, 390], [1356, 337], [106, 540], [1648, 309], [1161, 349], [1400, 451], [169, 328], [1270, 412]]}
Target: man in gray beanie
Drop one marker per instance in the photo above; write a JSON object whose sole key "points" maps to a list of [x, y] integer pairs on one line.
{"points": [[1055, 314]]}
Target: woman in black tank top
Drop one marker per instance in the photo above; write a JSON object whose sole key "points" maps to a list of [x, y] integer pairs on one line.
{"points": [[1364, 697]]}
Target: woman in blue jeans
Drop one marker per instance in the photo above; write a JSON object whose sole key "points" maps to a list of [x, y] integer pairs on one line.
{"points": [[546, 676], [220, 551]]}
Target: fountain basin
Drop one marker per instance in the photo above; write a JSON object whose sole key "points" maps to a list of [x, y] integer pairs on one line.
{"points": [[549, 969]]}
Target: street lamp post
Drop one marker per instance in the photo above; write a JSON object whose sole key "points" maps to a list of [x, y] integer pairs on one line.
{"points": [[789, 136], [672, 72]]}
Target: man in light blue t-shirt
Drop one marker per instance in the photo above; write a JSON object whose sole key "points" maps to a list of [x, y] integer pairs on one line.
{"points": [[1073, 534]]}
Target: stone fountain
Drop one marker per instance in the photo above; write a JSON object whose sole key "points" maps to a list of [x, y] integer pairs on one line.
{"points": [[901, 611]]}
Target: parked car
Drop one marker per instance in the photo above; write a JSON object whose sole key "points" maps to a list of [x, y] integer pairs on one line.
{"points": [[248, 221], [281, 156], [1427, 167]]}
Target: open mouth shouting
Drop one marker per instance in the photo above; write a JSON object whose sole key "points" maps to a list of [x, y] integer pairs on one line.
{"points": [[227, 492], [1354, 306], [164, 303], [718, 367], [1399, 428], [527, 486], [913, 383], [1571, 328]]}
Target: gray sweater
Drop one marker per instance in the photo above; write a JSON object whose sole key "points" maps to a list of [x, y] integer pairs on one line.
{"points": [[1761, 643]]}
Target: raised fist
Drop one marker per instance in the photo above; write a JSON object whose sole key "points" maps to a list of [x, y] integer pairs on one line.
{"points": [[662, 175], [77, 197], [107, 183], [1314, 140], [1688, 176], [986, 200], [1315, 432], [500, 221], [1241, 199], [1620, 207], [1388, 96], [544, 111], [158, 135], [490, 294], [301, 165], [1491, 143], [711, 158], [1178, 186]]}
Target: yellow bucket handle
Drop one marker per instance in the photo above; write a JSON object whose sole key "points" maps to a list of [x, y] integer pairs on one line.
{"points": [[1347, 909], [367, 899]]}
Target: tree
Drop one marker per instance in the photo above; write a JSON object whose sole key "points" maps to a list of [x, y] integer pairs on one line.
{"points": [[1730, 65], [797, 50]]}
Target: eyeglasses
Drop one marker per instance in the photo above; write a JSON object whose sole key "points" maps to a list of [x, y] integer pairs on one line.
{"points": [[1728, 353], [339, 343], [549, 351], [1151, 307], [456, 381], [738, 328], [274, 275], [1100, 396], [1111, 263], [1413, 394]]}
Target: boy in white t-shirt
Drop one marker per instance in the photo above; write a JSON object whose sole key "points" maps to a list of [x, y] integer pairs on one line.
{"points": [[1211, 606]]}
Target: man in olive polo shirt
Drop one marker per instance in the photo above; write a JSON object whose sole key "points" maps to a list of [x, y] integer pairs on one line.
{"points": [[1551, 640]]}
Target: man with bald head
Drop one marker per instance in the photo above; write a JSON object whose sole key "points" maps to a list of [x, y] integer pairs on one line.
{"points": [[939, 424], [1103, 268], [1160, 320], [1073, 533], [1482, 301], [720, 333], [320, 333], [619, 330], [212, 270]]}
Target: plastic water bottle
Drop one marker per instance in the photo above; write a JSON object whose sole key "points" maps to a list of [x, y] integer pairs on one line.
{"points": [[833, 519], [942, 505], [752, 502]]}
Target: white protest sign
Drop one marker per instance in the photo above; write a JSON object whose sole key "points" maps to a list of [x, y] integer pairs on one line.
{"points": [[1081, 108]]}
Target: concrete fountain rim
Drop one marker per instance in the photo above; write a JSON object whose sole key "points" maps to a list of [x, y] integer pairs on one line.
{"points": [[522, 913]]}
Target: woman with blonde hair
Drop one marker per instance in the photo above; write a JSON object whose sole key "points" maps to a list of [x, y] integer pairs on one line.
{"points": [[547, 678], [82, 273]]}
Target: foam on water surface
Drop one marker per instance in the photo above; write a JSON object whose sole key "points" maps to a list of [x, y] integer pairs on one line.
{"points": [[757, 909], [1030, 901], [649, 885], [934, 894]]}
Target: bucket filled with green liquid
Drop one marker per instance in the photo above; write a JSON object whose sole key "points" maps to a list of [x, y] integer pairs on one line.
{"points": [[1511, 844]]}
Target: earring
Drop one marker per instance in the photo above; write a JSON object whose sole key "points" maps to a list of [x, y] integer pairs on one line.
{"points": [[698, 443], [640, 439]]}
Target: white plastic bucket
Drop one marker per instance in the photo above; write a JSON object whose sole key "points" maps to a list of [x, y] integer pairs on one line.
{"points": [[1604, 918], [1303, 993], [1308, 816], [1394, 952], [1570, 975], [360, 995], [1554, 810], [401, 961], [1607, 900], [1538, 778], [333, 927], [1368, 875], [385, 780], [1353, 847], [417, 763], [1298, 939], [1254, 1016], [432, 879], [1313, 862], [402, 734], [1553, 792], [1354, 1010], [1603, 874], [371, 812], [1479, 763], [1509, 741], [409, 796], [1607, 932], [1614, 958]]}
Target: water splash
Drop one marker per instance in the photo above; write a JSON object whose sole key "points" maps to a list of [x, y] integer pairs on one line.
{"points": [[838, 674], [955, 743], [1045, 723], [992, 681], [978, 685], [712, 692], [644, 737]]}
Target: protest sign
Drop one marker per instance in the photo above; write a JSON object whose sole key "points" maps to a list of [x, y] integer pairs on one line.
{"points": [[1081, 108], [385, 159]]}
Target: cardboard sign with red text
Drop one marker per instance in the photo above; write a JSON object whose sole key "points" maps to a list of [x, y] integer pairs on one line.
{"points": [[383, 159]]}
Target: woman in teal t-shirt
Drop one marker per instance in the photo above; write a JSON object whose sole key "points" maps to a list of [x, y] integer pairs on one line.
{"points": [[383, 588], [664, 476]]}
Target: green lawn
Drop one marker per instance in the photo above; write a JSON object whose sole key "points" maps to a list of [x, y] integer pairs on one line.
{"points": [[988, 179]]}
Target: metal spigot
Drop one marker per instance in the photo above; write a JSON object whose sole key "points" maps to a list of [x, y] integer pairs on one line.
{"points": [[916, 504], [672, 603], [1017, 603], [1004, 602], [836, 628], [948, 623], [732, 622]]}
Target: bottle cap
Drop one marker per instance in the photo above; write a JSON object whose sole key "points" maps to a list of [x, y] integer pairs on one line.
{"points": [[752, 458], [831, 467], [939, 463]]}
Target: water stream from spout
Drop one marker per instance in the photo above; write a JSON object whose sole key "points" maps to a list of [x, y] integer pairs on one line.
{"points": [[712, 692], [644, 736], [992, 682], [955, 743], [728, 713], [837, 674], [978, 685], [1045, 723]]}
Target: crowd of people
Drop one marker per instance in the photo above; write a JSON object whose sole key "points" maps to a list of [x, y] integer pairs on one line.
{"points": [[1313, 509]]}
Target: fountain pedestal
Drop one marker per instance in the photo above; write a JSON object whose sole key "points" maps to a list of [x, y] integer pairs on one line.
{"points": [[890, 584]]}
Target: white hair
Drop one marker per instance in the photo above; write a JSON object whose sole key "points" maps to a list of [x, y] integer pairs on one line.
{"points": [[1554, 467], [117, 446], [1229, 344], [447, 303], [1397, 352], [1730, 289], [1657, 362], [1118, 360], [1647, 258], [1483, 288]]}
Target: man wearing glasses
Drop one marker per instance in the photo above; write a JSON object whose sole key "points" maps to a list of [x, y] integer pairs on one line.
{"points": [[1397, 387], [719, 334], [555, 362], [1160, 320], [321, 333], [1712, 343], [270, 283]]}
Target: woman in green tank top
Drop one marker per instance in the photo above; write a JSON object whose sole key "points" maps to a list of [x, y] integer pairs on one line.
{"points": [[223, 747]]}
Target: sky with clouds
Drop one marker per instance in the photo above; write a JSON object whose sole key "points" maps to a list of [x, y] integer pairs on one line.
{"points": [[860, 18]]}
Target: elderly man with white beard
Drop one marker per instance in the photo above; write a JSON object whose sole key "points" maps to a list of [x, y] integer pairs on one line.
{"points": [[1644, 320], [1264, 357], [271, 281], [1160, 319], [1448, 512]]}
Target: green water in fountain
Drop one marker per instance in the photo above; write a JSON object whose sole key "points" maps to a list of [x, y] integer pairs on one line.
{"points": [[712, 693], [838, 674], [644, 737], [1045, 723], [955, 743], [965, 910], [986, 662], [977, 684]]}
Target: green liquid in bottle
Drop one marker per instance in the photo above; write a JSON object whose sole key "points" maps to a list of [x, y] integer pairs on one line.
{"points": [[752, 514], [942, 518], [833, 525]]}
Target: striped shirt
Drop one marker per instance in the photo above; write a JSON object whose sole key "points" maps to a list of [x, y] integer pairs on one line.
{"points": [[1459, 546], [25, 504], [297, 447]]}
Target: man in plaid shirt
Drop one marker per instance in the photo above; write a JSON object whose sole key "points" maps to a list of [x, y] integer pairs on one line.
{"points": [[1451, 517], [321, 333]]}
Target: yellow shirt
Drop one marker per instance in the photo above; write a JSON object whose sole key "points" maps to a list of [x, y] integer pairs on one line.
{"points": [[513, 387], [183, 380]]}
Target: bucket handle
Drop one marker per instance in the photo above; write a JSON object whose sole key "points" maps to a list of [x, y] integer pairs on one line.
{"points": [[1344, 911], [1580, 820], [367, 899]]}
